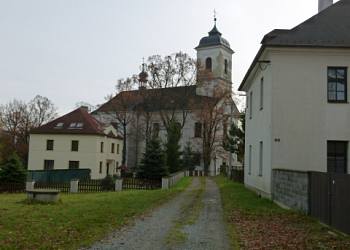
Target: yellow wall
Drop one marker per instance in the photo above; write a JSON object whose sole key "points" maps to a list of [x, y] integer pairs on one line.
{"points": [[88, 154]]}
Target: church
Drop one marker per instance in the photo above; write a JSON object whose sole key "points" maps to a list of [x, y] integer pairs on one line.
{"points": [[203, 115]]}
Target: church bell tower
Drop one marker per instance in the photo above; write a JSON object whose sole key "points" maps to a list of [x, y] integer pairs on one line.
{"points": [[215, 54]]}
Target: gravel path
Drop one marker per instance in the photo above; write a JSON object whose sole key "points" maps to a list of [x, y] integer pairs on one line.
{"points": [[208, 232]]}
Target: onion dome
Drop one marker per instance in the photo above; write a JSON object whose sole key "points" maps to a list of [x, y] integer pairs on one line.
{"points": [[214, 38]]}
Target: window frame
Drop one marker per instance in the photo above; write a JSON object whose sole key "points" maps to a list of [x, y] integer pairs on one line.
{"points": [[47, 166], [101, 147], [209, 64], [71, 164], [118, 148], [337, 80], [101, 168], [251, 105], [198, 130], [336, 155], [156, 128], [261, 148], [197, 159], [49, 146], [74, 146], [250, 160], [261, 93]]}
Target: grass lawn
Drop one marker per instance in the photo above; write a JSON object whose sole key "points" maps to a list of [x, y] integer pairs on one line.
{"points": [[256, 223], [78, 220]]}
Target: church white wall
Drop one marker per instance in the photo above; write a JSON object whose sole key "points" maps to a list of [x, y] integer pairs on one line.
{"points": [[218, 54]]}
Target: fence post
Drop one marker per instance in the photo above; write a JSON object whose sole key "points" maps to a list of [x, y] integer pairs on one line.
{"points": [[74, 186], [165, 182], [30, 184], [119, 184]]}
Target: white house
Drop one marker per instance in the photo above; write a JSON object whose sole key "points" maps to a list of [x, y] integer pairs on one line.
{"points": [[215, 52], [76, 140], [297, 111]]}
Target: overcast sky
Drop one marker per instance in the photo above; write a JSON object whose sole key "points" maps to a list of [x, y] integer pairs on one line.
{"points": [[72, 51]]}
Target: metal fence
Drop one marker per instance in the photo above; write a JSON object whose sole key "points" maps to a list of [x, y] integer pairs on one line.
{"points": [[12, 187], [330, 199], [93, 186], [141, 184]]}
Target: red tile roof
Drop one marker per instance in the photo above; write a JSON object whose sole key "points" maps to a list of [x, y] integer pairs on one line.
{"points": [[90, 125]]}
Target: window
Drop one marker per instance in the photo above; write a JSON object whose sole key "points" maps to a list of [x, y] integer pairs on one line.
{"points": [[112, 148], [337, 156], [260, 158], [226, 66], [107, 168], [59, 125], [178, 126], [73, 124], [250, 160], [250, 104], [116, 166], [101, 149], [49, 164], [73, 164], [197, 159], [225, 129], [208, 63], [75, 146], [79, 125], [101, 167], [261, 93], [198, 129], [156, 129], [117, 148], [49, 144], [337, 84]]}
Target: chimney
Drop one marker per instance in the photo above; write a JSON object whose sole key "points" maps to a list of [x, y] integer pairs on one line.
{"points": [[323, 4], [85, 107]]}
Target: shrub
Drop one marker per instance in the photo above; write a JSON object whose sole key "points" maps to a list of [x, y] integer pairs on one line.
{"points": [[13, 171]]}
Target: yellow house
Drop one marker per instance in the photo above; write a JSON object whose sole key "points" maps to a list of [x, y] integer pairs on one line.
{"points": [[76, 140]]}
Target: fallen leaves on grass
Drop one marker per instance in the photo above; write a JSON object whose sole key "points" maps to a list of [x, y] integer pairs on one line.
{"points": [[283, 231]]}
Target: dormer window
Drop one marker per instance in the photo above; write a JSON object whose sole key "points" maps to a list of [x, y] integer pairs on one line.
{"points": [[59, 125], [208, 64], [76, 125]]}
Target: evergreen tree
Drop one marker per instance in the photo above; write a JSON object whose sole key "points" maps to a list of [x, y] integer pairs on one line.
{"points": [[172, 147], [13, 171], [234, 142], [153, 161], [188, 161]]}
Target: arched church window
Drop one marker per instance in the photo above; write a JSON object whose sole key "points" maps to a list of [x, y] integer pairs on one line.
{"points": [[198, 129], [156, 129], [226, 66], [208, 63]]}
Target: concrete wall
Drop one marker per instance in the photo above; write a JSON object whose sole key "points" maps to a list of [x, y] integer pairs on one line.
{"points": [[291, 188]]}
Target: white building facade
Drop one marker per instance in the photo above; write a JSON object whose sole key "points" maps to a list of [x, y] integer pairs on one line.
{"points": [[297, 110]]}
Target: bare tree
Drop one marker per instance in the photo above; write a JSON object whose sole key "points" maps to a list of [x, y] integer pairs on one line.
{"points": [[18, 118], [213, 114], [120, 108], [174, 71]]}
